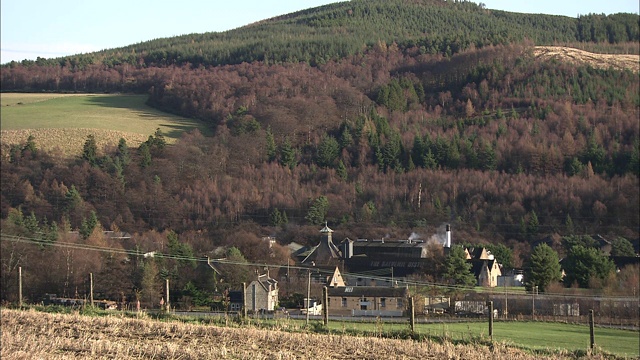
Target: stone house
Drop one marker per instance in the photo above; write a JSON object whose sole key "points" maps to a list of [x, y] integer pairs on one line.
{"points": [[486, 272], [368, 300], [262, 294]]}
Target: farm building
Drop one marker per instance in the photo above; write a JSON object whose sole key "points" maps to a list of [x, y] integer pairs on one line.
{"points": [[399, 258], [368, 300], [235, 300], [436, 304]]}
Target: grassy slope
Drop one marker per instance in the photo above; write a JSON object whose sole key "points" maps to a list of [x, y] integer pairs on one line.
{"points": [[64, 121]]}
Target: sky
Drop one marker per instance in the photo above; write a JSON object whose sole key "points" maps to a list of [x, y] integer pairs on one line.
{"points": [[49, 29]]}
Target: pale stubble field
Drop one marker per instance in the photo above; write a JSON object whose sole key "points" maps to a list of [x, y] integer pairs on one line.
{"points": [[36, 335]]}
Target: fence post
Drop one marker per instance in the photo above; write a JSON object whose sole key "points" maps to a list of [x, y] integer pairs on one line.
{"points": [[591, 334], [20, 286], [91, 289], [412, 314], [325, 306], [490, 304]]}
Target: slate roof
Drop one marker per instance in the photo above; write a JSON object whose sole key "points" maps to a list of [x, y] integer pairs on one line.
{"points": [[265, 281], [387, 248], [235, 296], [368, 291]]}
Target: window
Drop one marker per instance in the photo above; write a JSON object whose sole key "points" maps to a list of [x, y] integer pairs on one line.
{"points": [[400, 303], [344, 302], [364, 303], [383, 302]]}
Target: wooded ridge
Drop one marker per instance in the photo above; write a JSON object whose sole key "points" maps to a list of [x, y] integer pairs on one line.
{"points": [[381, 117]]}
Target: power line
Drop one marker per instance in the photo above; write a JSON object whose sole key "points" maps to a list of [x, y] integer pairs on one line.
{"points": [[313, 269]]}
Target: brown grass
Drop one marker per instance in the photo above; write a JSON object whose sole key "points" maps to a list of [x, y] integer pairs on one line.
{"points": [[35, 335], [604, 61], [69, 142]]}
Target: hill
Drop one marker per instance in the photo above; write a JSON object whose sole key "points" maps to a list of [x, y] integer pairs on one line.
{"points": [[465, 126], [346, 28]]}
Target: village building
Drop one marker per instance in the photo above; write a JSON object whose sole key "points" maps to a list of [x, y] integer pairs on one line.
{"points": [[367, 300], [236, 300], [486, 272], [261, 294], [484, 267], [336, 279], [326, 253], [385, 263], [399, 258]]}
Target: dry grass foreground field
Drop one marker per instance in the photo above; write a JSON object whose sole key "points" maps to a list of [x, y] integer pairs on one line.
{"points": [[604, 61], [36, 335]]}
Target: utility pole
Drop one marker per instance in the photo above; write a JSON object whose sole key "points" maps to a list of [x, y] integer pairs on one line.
{"points": [[168, 304], [506, 311], [325, 305], [308, 295], [490, 305], [20, 286], [244, 300], [591, 334], [412, 314], [534, 291], [91, 289]]}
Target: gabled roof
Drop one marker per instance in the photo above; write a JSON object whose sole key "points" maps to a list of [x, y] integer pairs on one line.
{"points": [[336, 279], [294, 247], [602, 242], [326, 252], [266, 282], [479, 253], [236, 296], [477, 265]]}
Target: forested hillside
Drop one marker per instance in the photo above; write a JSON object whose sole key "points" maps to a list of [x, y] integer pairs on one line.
{"points": [[382, 117], [343, 29]]}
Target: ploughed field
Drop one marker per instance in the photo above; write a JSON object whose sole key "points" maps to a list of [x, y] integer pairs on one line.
{"points": [[36, 335]]}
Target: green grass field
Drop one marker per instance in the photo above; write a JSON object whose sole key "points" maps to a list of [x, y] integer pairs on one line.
{"points": [[526, 335], [64, 121]]}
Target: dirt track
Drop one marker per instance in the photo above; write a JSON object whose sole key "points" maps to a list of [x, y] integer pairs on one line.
{"points": [[631, 62]]}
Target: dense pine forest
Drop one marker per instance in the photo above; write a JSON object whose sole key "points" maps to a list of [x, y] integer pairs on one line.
{"points": [[381, 117]]}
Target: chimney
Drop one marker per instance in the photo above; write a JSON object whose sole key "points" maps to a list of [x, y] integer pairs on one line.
{"points": [[447, 244]]}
